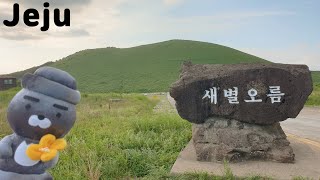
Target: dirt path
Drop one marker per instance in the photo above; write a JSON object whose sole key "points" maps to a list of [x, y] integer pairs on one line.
{"points": [[171, 101], [164, 105]]}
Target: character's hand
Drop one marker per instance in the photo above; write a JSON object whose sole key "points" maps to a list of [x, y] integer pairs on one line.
{"points": [[5, 151], [50, 164]]}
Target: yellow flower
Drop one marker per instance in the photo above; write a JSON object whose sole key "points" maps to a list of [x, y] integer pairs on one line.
{"points": [[47, 148]]}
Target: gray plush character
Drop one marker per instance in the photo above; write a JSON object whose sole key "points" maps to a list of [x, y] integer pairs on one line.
{"points": [[45, 105]]}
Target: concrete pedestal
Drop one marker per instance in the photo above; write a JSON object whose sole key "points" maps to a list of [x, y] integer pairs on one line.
{"points": [[307, 163]]}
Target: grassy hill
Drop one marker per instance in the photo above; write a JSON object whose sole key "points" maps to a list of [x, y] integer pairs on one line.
{"points": [[316, 77], [147, 68]]}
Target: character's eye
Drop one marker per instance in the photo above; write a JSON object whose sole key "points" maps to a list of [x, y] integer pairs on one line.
{"points": [[58, 115], [60, 107], [33, 99], [28, 106]]}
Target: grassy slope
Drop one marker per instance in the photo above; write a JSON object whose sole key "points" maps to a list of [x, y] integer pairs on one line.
{"points": [[316, 77], [314, 98], [148, 68]]}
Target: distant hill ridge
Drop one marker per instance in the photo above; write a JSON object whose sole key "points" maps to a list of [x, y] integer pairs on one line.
{"points": [[145, 68]]}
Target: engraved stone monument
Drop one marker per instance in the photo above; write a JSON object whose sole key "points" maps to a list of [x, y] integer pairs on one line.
{"points": [[236, 109]]}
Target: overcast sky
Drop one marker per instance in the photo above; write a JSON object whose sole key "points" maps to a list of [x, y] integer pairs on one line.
{"points": [[286, 31]]}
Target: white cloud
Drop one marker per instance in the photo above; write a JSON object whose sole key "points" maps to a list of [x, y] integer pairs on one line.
{"points": [[101, 23], [86, 16], [172, 2], [23, 47]]}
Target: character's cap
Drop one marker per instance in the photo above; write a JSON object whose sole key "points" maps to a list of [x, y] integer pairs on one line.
{"points": [[54, 83]]}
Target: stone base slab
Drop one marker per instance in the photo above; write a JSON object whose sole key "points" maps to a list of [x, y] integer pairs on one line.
{"points": [[307, 163]]}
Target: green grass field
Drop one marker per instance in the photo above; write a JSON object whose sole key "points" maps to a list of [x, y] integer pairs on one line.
{"points": [[316, 77], [120, 140], [126, 141], [314, 98], [148, 68]]}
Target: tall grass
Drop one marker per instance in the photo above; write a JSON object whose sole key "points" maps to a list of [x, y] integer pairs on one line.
{"points": [[112, 140], [316, 77], [314, 98]]}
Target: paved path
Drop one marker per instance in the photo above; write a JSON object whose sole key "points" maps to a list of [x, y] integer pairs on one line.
{"points": [[306, 125]]}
